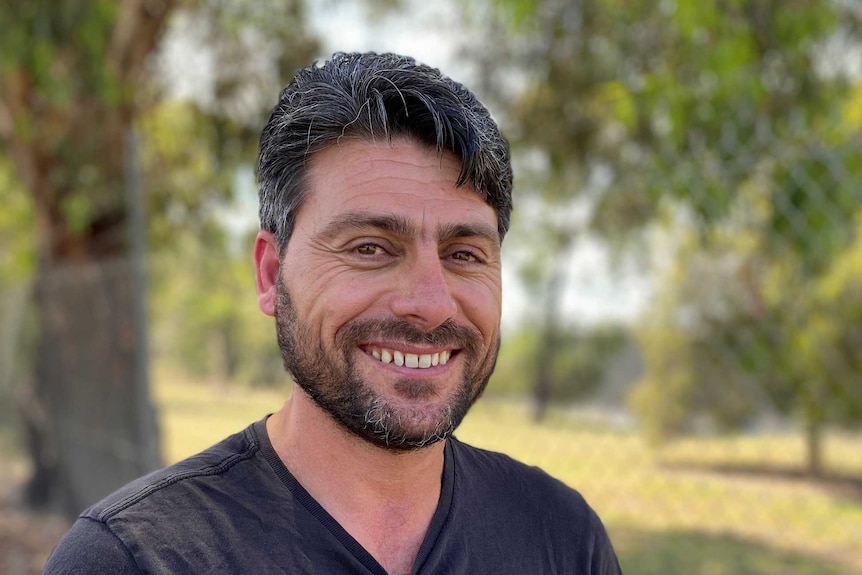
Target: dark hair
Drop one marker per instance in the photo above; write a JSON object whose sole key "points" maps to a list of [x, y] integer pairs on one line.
{"points": [[376, 96]]}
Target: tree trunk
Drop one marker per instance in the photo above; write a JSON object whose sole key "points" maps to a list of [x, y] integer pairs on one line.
{"points": [[90, 422], [544, 386], [814, 434], [814, 449], [92, 427]]}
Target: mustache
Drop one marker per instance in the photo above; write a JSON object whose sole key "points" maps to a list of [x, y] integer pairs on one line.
{"points": [[448, 334]]}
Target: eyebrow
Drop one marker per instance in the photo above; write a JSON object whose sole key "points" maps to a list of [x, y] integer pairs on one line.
{"points": [[403, 226], [398, 225], [468, 230]]}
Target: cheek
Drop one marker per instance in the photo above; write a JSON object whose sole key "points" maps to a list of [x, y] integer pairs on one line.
{"points": [[482, 304], [327, 299]]}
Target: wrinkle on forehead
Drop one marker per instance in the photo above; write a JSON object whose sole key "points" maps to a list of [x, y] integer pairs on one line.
{"points": [[357, 182], [365, 158]]}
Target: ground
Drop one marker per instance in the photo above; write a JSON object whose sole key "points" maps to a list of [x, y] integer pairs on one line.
{"points": [[26, 537]]}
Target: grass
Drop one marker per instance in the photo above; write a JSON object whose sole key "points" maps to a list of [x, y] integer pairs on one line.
{"points": [[700, 507]]}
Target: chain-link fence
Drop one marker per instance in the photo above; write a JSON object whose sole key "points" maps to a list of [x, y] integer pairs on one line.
{"points": [[723, 434], [742, 373], [716, 431]]}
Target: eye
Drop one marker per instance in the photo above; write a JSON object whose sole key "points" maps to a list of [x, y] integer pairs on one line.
{"points": [[464, 256], [370, 250]]}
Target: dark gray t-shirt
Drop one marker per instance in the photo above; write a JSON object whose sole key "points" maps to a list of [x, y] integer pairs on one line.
{"points": [[235, 509]]}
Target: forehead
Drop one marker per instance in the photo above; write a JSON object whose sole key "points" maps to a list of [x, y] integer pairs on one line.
{"points": [[401, 177]]}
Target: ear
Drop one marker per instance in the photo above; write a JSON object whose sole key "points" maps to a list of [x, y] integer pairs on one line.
{"points": [[267, 267]]}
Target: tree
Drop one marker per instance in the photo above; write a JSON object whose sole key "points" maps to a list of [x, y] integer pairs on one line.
{"points": [[710, 361], [781, 166], [16, 262], [656, 112], [560, 120], [742, 329], [67, 84], [75, 78], [575, 371]]}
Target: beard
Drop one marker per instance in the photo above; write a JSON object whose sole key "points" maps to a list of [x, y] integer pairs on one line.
{"points": [[331, 380]]}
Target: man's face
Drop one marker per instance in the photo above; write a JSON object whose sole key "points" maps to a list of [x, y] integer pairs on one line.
{"points": [[389, 293]]}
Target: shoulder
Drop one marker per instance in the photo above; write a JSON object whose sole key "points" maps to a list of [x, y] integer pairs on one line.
{"points": [[90, 548], [528, 509], [119, 533], [499, 473], [221, 459]]}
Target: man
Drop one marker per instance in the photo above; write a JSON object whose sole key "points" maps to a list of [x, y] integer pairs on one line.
{"points": [[385, 194]]}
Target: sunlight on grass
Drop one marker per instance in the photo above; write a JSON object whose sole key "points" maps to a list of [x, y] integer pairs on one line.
{"points": [[632, 488], [665, 511], [194, 417]]}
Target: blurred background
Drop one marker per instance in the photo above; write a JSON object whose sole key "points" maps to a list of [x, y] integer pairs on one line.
{"points": [[683, 285]]}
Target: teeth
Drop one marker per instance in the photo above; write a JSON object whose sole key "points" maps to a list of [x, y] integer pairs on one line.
{"points": [[412, 360]]}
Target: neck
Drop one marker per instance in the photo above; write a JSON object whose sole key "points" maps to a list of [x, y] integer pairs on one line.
{"points": [[384, 499]]}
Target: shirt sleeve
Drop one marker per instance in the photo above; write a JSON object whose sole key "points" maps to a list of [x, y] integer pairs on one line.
{"points": [[90, 548], [604, 558]]}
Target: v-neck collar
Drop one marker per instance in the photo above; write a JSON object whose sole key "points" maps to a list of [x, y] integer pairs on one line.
{"points": [[435, 527]]}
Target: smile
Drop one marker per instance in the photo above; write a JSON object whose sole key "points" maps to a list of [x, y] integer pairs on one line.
{"points": [[413, 360]]}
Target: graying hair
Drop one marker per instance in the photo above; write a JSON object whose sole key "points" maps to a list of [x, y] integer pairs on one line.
{"points": [[376, 96]]}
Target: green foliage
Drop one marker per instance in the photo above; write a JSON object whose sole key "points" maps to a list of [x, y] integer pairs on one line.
{"points": [[69, 91], [17, 260], [17, 263], [719, 121], [56, 44], [828, 346], [184, 171], [701, 367], [739, 332], [519, 12], [206, 320], [69, 83], [654, 90], [816, 193], [741, 76], [578, 363]]}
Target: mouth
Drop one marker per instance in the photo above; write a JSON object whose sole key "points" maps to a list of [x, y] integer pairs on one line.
{"points": [[409, 359]]}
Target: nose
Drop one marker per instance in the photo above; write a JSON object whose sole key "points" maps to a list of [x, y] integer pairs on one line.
{"points": [[424, 296]]}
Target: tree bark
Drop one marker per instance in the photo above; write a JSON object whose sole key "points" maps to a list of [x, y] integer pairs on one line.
{"points": [[814, 448], [543, 388], [91, 431], [814, 431]]}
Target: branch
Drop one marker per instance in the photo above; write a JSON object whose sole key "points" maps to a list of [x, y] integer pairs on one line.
{"points": [[7, 123], [14, 93], [136, 32]]}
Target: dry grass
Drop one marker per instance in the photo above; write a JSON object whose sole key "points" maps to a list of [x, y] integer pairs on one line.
{"points": [[728, 506], [668, 512]]}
